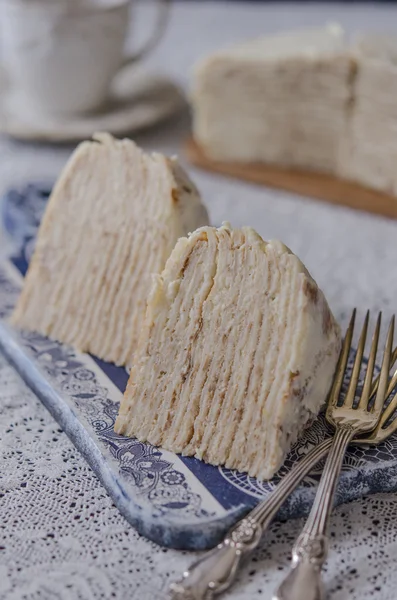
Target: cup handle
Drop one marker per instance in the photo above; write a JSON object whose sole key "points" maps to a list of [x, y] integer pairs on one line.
{"points": [[158, 32]]}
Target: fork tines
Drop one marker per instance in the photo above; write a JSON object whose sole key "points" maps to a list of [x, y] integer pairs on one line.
{"points": [[368, 389]]}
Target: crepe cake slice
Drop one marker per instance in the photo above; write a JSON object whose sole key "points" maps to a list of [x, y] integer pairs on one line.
{"points": [[112, 220], [236, 355]]}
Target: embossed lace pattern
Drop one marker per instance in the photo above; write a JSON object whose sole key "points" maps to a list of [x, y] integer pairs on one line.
{"points": [[62, 538]]}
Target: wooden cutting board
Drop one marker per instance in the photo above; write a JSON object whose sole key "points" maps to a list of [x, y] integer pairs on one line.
{"points": [[304, 183]]}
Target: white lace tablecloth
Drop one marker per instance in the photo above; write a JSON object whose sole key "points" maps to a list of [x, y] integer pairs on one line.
{"points": [[60, 535]]}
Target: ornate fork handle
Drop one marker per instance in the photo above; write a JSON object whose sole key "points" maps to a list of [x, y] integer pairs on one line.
{"points": [[216, 570], [310, 550]]}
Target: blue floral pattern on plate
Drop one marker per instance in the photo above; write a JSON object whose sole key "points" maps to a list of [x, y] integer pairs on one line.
{"points": [[176, 501]]}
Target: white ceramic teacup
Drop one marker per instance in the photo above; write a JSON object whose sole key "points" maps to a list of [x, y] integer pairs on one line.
{"points": [[60, 56]]}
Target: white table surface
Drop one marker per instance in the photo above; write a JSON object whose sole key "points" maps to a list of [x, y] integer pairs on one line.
{"points": [[61, 537]]}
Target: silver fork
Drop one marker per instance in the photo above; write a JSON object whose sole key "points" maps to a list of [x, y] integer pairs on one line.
{"points": [[310, 550], [215, 571]]}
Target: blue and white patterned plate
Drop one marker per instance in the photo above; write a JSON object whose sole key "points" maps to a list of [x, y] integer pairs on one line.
{"points": [[175, 501]]}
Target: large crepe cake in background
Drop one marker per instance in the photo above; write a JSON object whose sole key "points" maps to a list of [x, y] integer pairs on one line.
{"points": [[306, 99], [236, 354], [279, 99], [112, 220]]}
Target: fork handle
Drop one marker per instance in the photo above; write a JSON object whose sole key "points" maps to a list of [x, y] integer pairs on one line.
{"points": [[303, 582], [216, 570]]}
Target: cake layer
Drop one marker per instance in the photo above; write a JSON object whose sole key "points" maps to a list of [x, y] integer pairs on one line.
{"points": [[112, 220], [236, 355]]}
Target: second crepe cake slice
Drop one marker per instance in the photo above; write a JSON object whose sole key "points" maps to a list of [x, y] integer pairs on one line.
{"points": [[112, 220], [236, 355]]}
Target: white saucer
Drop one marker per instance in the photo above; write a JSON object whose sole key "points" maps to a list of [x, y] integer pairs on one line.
{"points": [[138, 99]]}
